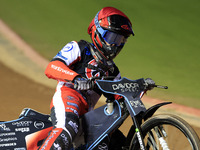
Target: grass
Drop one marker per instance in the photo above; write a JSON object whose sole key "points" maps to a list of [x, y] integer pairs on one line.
{"points": [[166, 46]]}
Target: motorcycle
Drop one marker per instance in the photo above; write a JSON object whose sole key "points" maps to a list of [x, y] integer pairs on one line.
{"points": [[99, 128]]}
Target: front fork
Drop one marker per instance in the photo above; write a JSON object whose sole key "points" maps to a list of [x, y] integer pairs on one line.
{"points": [[151, 140], [136, 128], [161, 135], [138, 132]]}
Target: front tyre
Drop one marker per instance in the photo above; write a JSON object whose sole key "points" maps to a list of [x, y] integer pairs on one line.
{"points": [[167, 132]]}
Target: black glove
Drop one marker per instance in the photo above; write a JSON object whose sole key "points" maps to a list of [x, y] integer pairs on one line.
{"points": [[83, 84], [150, 84]]}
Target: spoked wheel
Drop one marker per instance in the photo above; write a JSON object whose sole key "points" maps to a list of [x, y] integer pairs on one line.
{"points": [[167, 132]]}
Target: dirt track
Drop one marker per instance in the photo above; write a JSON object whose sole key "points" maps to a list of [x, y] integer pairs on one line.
{"points": [[17, 92]]}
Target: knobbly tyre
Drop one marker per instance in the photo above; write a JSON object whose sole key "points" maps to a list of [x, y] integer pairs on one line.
{"points": [[99, 128]]}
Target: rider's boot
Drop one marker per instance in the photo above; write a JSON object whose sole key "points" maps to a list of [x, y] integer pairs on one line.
{"points": [[61, 138]]}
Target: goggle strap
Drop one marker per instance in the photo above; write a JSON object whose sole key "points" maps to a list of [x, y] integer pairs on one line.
{"points": [[98, 27]]}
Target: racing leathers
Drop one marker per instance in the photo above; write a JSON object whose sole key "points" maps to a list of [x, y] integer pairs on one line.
{"points": [[68, 104]]}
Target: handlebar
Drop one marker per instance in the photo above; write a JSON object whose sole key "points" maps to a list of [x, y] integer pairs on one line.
{"points": [[112, 77], [102, 78]]}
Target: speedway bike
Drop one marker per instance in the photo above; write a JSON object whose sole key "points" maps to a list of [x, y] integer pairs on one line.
{"points": [[99, 128]]}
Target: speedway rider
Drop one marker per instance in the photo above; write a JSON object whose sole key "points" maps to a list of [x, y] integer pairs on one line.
{"points": [[75, 64]]}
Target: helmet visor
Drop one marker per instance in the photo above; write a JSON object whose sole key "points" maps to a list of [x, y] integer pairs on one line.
{"points": [[114, 38]]}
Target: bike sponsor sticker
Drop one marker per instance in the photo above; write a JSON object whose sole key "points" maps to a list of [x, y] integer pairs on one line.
{"points": [[126, 87], [103, 146], [8, 144], [39, 124], [22, 123], [8, 139], [7, 134], [140, 139], [4, 128], [136, 104], [22, 129]]}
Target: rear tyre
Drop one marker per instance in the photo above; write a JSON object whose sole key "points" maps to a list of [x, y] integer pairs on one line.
{"points": [[167, 132]]}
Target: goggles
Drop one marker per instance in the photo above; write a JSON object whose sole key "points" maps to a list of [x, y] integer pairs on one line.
{"points": [[114, 38], [108, 36]]}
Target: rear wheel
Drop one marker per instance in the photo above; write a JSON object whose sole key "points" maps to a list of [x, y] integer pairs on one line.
{"points": [[167, 132]]}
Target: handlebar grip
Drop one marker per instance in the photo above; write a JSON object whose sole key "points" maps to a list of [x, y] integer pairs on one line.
{"points": [[162, 87]]}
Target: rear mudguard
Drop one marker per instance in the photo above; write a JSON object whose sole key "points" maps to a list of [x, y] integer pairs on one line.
{"points": [[26, 132]]}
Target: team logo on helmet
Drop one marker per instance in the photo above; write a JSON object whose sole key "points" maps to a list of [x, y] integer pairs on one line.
{"points": [[126, 27]]}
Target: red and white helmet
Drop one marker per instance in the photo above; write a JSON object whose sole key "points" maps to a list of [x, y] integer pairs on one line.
{"points": [[109, 31]]}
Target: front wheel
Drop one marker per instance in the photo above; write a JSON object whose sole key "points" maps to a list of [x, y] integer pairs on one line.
{"points": [[167, 132]]}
